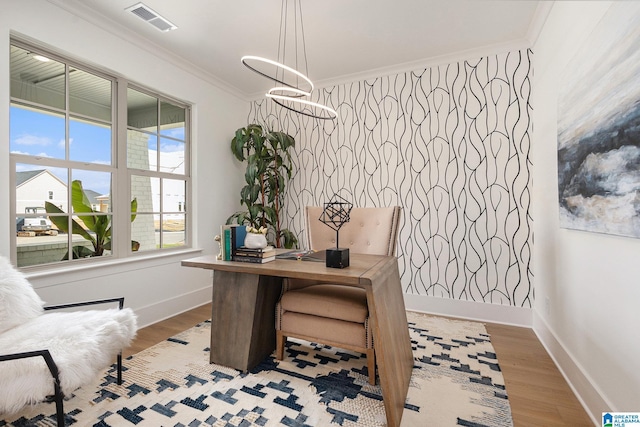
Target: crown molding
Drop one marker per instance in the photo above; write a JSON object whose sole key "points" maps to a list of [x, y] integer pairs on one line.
{"points": [[118, 30], [539, 19], [464, 55]]}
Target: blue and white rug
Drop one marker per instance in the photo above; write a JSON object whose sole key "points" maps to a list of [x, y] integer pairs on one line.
{"points": [[456, 380]]}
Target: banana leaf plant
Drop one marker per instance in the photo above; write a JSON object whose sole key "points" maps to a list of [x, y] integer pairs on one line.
{"points": [[268, 167], [97, 228]]}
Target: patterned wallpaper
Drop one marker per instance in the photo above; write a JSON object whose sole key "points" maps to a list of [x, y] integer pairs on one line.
{"points": [[451, 145]]}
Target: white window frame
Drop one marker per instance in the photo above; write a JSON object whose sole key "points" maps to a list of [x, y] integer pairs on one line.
{"points": [[120, 173]]}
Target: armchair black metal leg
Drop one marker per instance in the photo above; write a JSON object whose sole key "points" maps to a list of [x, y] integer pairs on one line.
{"points": [[119, 368], [59, 408]]}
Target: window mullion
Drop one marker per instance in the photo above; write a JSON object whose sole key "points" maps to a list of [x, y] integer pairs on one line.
{"points": [[121, 231]]}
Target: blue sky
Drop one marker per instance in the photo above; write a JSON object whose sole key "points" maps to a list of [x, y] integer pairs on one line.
{"points": [[88, 142], [43, 135]]}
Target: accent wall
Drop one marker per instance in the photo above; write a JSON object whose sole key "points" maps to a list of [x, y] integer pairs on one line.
{"points": [[451, 145]]}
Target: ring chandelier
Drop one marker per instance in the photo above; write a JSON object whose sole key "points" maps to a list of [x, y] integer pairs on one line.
{"points": [[293, 84]]}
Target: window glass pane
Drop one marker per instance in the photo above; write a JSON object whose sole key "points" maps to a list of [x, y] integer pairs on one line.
{"points": [[142, 150], [35, 248], [146, 191], [39, 239], [33, 184], [36, 132], [96, 187], [89, 95], [172, 156], [89, 142], [144, 233], [172, 120], [94, 233], [142, 111], [36, 78], [173, 191], [173, 230]]}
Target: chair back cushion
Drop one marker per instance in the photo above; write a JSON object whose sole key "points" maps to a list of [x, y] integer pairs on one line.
{"points": [[372, 231], [19, 303]]}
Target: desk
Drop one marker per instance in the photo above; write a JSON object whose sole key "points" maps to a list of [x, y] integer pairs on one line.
{"points": [[243, 314]]}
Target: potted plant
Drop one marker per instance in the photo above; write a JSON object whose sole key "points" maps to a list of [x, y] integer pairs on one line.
{"points": [[268, 167], [96, 229]]}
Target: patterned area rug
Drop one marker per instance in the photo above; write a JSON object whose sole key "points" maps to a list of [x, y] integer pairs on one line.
{"points": [[456, 380]]}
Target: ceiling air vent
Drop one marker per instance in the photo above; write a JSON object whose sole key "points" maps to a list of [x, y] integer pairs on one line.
{"points": [[147, 14]]}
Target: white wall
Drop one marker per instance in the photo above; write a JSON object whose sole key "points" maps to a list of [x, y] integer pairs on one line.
{"points": [[590, 322], [157, 287]]}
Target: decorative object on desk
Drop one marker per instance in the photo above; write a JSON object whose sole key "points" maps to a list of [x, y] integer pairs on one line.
{"points": [[268, 167], [293, 88], [456, 380], [219, 240], [256, 238], [335, 215]]}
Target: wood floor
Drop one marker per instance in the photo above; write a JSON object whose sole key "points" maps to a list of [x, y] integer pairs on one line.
{"points": [[538, 394]]}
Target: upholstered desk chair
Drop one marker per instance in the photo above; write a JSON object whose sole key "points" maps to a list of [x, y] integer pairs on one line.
{"points": [[331, 314]]}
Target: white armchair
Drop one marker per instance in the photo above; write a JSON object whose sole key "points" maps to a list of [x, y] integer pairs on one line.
{"points": [[46, 356]]}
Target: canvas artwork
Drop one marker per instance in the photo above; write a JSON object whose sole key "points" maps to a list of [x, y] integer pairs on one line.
{"points": [[599, 128]]}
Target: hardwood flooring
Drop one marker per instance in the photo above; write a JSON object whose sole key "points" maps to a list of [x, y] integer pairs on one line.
{"points": [[538, 394]]}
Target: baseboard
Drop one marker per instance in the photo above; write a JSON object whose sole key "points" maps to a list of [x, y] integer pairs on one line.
{"points": [[162, 310], [471, 310], [585, 389]]}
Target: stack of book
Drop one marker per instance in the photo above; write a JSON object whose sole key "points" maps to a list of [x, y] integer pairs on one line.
{"points": [[260, 256]]}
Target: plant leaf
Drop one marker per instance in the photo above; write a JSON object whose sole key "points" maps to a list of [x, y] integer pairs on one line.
{"points": [[81, 204]]}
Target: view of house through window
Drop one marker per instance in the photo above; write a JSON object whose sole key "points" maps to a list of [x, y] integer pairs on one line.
{"points": [[63, 144]]}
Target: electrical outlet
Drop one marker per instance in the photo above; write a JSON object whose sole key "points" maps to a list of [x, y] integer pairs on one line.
{"points": [[547, 305]]}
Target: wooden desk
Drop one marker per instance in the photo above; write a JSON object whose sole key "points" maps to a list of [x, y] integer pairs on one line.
{"points": [[243, 314]]}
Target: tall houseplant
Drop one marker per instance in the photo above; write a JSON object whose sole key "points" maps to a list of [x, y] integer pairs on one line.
{"points": [[268, 167]]}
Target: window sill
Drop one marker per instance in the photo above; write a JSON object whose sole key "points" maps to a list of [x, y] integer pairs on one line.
{"points": [[111, 265]]}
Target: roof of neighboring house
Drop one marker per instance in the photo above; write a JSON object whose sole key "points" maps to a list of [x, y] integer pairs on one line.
{"points": [[22, 177], [92, 196]]}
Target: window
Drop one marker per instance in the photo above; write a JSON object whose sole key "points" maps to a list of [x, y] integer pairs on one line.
{"points": [[64, 141], [156, 154]]}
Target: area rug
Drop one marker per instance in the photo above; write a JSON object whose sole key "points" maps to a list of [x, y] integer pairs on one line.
{"points": [[456, 380]]}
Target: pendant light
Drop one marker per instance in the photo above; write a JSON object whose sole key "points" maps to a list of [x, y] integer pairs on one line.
{"points": [[293, 87]]}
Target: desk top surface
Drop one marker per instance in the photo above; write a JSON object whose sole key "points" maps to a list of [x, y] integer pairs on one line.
{"points": [[361, 267]]}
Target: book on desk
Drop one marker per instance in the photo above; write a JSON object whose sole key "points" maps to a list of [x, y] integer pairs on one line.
{"points": [[255, 255]]}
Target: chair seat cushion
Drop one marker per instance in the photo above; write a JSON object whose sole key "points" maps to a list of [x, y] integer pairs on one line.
{"points": [[324, 329], [335, 301], [81, 343]]}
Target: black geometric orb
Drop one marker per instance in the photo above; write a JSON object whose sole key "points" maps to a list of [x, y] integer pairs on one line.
{"points": [[336, 212]]}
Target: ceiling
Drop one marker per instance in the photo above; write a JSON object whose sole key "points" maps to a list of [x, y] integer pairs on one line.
{"points": [[345, 39]]}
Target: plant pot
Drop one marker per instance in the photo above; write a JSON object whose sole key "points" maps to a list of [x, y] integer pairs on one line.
{"points": [[255, 241]]}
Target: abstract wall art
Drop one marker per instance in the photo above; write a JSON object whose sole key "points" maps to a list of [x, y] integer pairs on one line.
{"points": [[599, 128]]}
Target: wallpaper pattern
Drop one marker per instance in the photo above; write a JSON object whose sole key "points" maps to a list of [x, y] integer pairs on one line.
{"points": [[451, 145]]}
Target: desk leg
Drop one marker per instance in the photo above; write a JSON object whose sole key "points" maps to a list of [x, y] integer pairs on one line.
{"points": [[243, 318], [391, 338]]}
